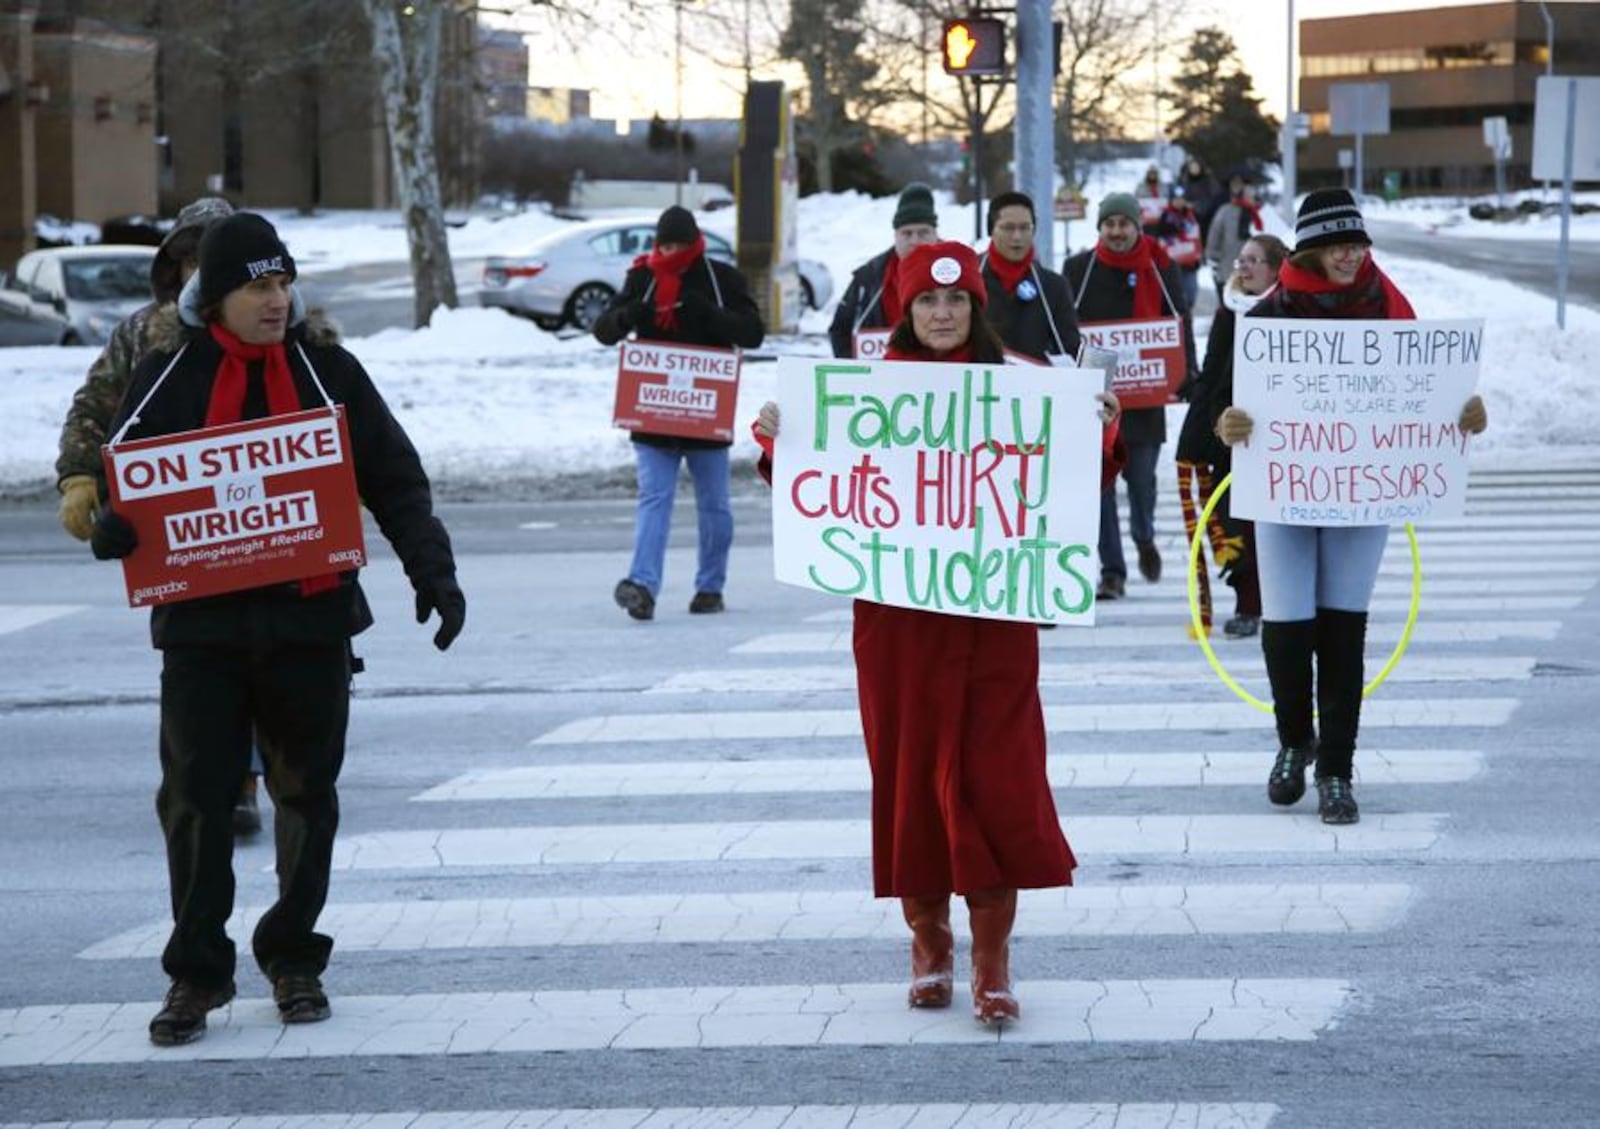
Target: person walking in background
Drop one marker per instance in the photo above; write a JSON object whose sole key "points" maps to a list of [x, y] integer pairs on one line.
{"points": [[1126, 275], [1152, 198], [1202, 191], [951, 713], [1317, 582], [1203, 459], [1178, 232], [872, 300], [676, 294], [1234, 222], [1028, 305], [272, 660], [78, 466]]}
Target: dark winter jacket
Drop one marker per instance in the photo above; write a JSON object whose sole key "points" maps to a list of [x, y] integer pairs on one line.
{"points": [[861, 306], [1208, 395], [1102, 294], [389, 478], [715, 310], [1038, 326]]}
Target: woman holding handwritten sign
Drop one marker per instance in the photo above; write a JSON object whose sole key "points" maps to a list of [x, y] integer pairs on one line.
{"points": [[1317, 581], [951, 714]]}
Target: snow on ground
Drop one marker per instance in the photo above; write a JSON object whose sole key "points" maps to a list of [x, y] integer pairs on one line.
{"points": [[1448, 215], [494, 402]]}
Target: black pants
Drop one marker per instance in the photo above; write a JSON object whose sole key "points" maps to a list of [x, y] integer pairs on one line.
{"points": [[297, 702]]}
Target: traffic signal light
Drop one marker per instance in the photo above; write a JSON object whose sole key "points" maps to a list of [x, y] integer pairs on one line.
{"points": [[974, 46]]}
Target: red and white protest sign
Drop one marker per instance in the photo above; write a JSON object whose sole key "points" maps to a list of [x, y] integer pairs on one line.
{"points": [[685, 390], [1183, 252], [872, 344], [1151, 362], [1151, 208], [243, 505]]}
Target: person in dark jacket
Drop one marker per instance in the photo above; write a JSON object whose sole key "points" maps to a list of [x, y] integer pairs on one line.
{"points": [[1127, 275], [1317, 581], [274, 660], [1029, 305], [676, 294], [1204, 460], [1202, 191], [872, 300]]}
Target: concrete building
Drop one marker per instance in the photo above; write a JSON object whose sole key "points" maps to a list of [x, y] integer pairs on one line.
{"points": [[503, 70], [1447, 70]]}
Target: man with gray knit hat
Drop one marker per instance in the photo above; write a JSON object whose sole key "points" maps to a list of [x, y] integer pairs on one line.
{"points": [[1126, 276], [872, 300]]}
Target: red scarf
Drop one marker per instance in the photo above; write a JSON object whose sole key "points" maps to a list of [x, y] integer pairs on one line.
{"points": [[1145, 261], [228, 395], [668, 271], [1371, 295], [889, 296], [1253, 210], [1010, 274], [959, 356]]}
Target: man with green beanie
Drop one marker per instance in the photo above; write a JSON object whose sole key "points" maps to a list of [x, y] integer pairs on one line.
{"points": [[872, 300]]}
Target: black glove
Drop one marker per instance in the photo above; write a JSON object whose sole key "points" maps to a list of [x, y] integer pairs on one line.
{"points": [[632, 315], [112, 537], [443, 595], [697, 304]]}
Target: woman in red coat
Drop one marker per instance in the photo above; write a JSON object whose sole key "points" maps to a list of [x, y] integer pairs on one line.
{"points": [[951, 715]]}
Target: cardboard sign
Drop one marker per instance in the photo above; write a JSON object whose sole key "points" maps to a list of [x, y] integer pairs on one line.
{"points": [[872, 344], [967, 489], [244, 505], [685, 390], [1355, 422], [1151, 359]]}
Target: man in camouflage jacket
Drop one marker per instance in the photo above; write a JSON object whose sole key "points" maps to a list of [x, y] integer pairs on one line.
{"points": [[95, 402]]}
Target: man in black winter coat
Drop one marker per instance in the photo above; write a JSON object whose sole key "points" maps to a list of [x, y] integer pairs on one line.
{"points": [[676, 294], [276, 659], [1029, 305], [1127, 275], [872, 300]]}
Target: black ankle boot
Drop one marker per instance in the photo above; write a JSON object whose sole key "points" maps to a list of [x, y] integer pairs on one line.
{"points": [[1341, 677], [1288, 647]]}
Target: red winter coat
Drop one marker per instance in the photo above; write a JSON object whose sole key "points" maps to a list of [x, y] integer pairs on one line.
{"points": [[955, 738]]}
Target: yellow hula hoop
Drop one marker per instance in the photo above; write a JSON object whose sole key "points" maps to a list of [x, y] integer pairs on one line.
{"points": [[1200, 634]]}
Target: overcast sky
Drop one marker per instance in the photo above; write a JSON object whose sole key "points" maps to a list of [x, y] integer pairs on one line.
{"points": [[645, 84]]}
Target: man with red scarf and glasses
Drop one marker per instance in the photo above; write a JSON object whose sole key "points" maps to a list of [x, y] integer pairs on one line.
{"points": [[676, 294], [276, 659], [1029, 304], [1126, 275]]}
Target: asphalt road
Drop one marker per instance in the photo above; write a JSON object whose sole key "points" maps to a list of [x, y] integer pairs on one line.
{"points": [[1445, 973], [1530, 263]]}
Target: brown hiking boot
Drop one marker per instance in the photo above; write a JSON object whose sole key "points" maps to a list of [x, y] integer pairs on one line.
{"points": [[300, 998], [182, 1019]]}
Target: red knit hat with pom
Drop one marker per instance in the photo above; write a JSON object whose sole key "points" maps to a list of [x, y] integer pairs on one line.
{"points": [[931, 265]]}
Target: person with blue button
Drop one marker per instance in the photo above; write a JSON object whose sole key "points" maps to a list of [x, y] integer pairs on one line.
{"points": [[1029, 306]]}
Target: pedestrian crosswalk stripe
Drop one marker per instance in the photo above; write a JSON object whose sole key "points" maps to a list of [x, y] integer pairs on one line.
{"points": [[1014, 1115], [1110, 637], [777, 1015], [1126, 717], [19, 617], [1243, 657], [590, 780], [1109, 613], [814, 915], [788, 840]]}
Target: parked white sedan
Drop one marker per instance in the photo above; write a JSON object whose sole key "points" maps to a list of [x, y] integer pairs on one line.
{"points": [[568, 277], [73, 295]]}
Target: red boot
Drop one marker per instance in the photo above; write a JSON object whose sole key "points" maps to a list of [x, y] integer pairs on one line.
{"points": [[932, 951], [993, 913]]}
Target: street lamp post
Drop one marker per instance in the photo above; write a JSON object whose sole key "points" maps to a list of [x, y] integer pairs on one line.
{"points": [[1290, 129]]}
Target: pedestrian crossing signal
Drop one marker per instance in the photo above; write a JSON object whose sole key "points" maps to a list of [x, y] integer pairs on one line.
{"points": [[974, 47]]}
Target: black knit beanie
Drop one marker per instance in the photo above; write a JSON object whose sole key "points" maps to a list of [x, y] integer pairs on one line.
{"points": [[677, 225], [1010, 200], [1328, 216], [915, 206], [236, 251]]}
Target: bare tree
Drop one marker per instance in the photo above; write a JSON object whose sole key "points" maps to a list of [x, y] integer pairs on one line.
{"points": [[405, 46], [1104, 44], [826, 37]]}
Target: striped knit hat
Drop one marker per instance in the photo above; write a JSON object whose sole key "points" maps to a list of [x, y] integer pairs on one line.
{"points": [[1328, 216]]}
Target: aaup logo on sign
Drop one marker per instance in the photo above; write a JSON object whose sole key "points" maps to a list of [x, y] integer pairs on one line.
{"points": [[260, 267]]}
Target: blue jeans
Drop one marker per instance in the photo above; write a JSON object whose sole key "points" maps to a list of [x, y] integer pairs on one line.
{"points": [[658, 483], [1306, 567], [1140, 473]]}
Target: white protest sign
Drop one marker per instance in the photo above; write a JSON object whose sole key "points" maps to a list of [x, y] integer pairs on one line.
{"points": [[968, 489], [1355, 422]]}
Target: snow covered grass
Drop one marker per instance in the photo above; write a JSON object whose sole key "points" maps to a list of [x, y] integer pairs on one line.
{"points": [[494, 403], [1448, 215]]}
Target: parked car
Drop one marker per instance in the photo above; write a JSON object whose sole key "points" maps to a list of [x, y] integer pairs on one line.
{"points": [[568, 277], [73, 295]]}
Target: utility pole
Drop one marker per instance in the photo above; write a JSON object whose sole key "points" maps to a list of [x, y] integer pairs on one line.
{"points": [[677, 135], [1291, 133], [1034, 141]]}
